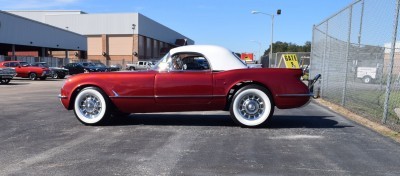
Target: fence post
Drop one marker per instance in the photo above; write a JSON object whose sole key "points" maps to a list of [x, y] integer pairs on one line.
{"points": [[324, 70], [347, 57], [392, 52]]}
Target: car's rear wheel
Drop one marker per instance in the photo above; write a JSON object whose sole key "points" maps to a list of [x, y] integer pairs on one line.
{"points": [[32, 76], [55, 75], [132, 68], [252, 106], [91, 106]]}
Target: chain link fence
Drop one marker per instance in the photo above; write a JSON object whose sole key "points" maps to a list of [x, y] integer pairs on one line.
{"points": [[355, 51]]}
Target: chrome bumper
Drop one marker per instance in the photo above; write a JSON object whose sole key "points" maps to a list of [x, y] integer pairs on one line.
{"points": [[62, 96]]}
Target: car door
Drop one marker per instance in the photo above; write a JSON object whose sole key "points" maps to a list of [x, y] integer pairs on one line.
{"points": [[21, 72], [183, 87]]}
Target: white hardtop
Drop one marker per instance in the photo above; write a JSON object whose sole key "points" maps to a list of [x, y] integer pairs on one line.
{"points": [[219, 58]]}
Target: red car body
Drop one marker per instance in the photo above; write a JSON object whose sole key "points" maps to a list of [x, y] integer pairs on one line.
{"points": [[195, 91], [24, 70], [190, 78]]}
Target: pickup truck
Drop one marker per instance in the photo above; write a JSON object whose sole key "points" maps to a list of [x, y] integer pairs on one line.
{"points": [[367, 74], [140, 65], [6, 74]]}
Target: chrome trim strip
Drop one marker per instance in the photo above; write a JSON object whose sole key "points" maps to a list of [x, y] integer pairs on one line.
{"points": [[131, 96], [186, 96], [295, 95], [62, 96], [115, 93], [176, 96]]}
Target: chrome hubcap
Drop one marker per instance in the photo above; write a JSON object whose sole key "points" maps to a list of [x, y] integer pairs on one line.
{"points": [[90, 106], [251, 107]]}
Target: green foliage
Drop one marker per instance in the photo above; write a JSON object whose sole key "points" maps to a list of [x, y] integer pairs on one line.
{"points": [[289, 47]]}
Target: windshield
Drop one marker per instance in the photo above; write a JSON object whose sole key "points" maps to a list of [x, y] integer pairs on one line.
{"points": [[162, 64], [24, 64], [237, 57], [40, 65]]}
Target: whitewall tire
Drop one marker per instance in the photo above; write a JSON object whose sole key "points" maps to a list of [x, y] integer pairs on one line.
{"points": [[252, 106], [91, 107]]}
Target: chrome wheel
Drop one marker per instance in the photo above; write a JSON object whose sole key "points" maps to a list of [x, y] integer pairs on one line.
{"points": [[251, 107], [90, 106]]}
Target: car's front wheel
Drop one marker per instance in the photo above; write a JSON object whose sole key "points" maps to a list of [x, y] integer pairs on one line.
{"points": [[5, 81], [252, 106], [91, 106]]}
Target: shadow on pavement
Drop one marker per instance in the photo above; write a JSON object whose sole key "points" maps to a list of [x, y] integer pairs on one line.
{"points": [[14, 83], [286, 121], [278, 121]]}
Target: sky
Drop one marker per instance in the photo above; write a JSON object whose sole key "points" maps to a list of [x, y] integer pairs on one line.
{"points": [[227, 23]]}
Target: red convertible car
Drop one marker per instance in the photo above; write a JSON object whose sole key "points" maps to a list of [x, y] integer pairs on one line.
{"points": [[188, 78]]}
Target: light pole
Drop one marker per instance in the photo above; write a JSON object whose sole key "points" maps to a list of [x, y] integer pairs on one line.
{"points": [[259, 48], [278, 12], [133, 42]]}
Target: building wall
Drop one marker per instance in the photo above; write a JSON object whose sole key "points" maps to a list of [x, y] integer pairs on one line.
{"points": [[40, 15], [94, 45], [119, 47], [155, 30], [95, 24], [113, 35], [22, 31]]}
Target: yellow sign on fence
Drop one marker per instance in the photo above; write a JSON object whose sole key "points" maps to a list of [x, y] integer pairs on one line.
{"points": [[290, 61]]}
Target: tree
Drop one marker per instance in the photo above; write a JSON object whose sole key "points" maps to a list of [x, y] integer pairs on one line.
{"points": [[289, 47]]}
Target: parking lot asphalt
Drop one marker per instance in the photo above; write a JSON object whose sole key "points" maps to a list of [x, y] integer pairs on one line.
{"points": [[39, 137]]}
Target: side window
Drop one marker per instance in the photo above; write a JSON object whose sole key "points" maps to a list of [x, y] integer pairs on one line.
{"points": [[140, 63], [6, 64], [189, 61], [14, 64]]}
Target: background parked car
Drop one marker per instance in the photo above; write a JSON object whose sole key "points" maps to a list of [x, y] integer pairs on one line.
{"points": [[6, 74], [116, 67], [55, 72], [25, 70], [85, 67]]}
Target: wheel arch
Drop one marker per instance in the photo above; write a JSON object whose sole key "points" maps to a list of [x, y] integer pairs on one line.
{"points": [[236, 87], [80, 88]]}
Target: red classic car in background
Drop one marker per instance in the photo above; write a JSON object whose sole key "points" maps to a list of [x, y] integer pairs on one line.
{"points": [[25, 70], [188, 78]]}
